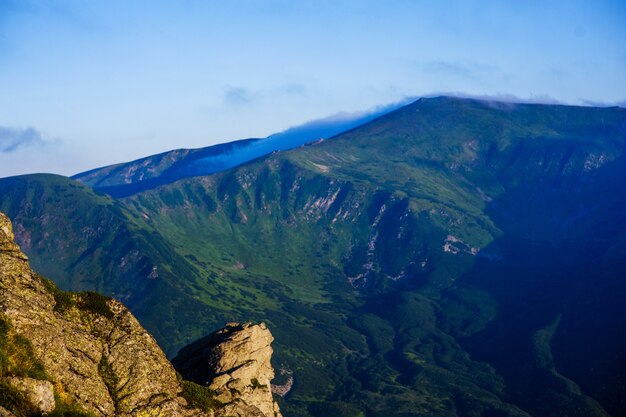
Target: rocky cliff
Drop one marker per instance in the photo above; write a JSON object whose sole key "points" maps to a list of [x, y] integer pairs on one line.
{"points": [[234, 362], [85, 354]]}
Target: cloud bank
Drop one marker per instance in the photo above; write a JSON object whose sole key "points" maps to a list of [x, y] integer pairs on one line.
{"points": [[502, 98]]}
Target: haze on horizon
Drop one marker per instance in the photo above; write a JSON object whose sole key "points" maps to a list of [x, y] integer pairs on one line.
{"points": [[85, 84]]}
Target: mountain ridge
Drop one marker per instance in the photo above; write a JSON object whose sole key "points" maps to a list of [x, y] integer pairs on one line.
{"points": [[124, 179], [389, 258]]}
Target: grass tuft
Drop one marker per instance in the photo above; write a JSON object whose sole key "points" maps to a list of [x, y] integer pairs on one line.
{"points": [[199, 397]]}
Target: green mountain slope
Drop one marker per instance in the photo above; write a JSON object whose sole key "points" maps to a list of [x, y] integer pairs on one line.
{"points": [[287, 251], [453, 257], [88, 241]]}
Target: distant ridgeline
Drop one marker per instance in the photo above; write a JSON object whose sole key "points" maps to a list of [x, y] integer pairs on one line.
{"points": [[123, 180], [452, 257]]}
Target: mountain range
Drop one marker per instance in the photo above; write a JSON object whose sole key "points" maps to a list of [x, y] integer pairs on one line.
{"points": [[122, 180], [453, 257]]}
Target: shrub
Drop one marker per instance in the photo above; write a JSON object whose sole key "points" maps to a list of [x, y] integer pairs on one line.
{"points": [[90, 301], [62, 300], [254, 383], [109, 377], [16, 354], [95, 303]]}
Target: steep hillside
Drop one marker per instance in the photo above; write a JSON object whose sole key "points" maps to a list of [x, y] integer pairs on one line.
{"points": [[87, 241], [453, 257]]}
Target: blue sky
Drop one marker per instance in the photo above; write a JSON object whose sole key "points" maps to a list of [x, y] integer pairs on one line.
{"points": [[89, 83]]}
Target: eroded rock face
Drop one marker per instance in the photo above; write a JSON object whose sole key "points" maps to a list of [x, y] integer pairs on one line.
{"points": [[91, 346], [235, 363]]}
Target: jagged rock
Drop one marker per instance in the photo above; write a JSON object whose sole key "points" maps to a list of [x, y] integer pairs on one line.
{"points": [[235, 363], [90, 345], [39, 393]]}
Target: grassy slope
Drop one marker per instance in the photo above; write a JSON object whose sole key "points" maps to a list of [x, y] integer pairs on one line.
{"points": [[280, 253], [87, 241], [294, 225]]}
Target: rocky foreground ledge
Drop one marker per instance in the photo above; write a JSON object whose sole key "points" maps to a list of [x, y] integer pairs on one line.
{"points": [[83, 354], [235, 363]]}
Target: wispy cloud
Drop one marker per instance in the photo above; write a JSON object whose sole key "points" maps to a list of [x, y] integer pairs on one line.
{"points": [[238, 96], [296, 89], [12, 139], [506, 98], [501, 98], [243, 96], [604, 103], [467, 70]]}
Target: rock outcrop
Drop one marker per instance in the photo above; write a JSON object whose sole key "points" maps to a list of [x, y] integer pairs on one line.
{"points": [[99, 359], [92, 347], [235, 363]]}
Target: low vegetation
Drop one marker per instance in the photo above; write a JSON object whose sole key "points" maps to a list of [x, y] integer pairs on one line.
{"points": [[17, 359], [16, 354], [109, 377], [198, 396], [87, 301]]}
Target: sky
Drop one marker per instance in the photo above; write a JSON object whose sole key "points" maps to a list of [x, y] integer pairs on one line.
{"points": [[89, 83]]}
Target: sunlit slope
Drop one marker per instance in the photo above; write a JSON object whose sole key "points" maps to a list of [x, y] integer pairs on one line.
{"points": [[482, 149]]}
